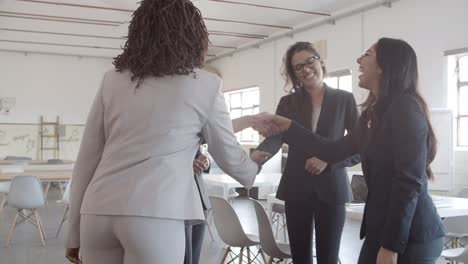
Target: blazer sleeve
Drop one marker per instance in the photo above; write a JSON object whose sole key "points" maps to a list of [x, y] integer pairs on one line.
{"points": [[409, 131], [273, 144], [224, 148], [351, 121], [325, 149], [89, 156]]}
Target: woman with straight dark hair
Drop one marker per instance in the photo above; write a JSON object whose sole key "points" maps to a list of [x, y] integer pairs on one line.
{"points": [[397, 145], [133, 185], [314, 191]]}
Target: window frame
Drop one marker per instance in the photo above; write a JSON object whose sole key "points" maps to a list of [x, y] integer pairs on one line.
{"points": [[460, 84], [256, 105], [338, 75]]}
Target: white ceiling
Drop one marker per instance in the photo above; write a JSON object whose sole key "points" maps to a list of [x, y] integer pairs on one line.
{"points": [[97, 27]]}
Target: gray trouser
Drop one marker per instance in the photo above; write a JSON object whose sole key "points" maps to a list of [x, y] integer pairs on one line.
{"points": [[194, 234], [131, 239]]}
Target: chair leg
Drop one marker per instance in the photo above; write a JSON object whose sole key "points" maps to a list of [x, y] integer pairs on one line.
{"points": [[12, 229], [270, 261], [42, 226], [277, 227], [248, 255], [241, 254], [46, 191], [39, 227], [225, 255], [285, 229], [64, 218]]}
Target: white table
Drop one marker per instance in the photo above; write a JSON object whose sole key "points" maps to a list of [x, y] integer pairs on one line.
{"points": [[446, 206], [227, 182]]}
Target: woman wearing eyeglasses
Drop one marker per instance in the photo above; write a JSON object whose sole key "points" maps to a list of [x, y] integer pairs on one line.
{"points": [[314, 191]]}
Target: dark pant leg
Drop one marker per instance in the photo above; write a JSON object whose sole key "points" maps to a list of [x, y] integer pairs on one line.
{"points": [[422, 253], [329, 222], [188, 243], [198, 232], [369, 252], [299, 215]]}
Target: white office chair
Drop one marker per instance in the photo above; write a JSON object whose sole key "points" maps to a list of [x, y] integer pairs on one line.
{"points": [[217, 191], [456, 254], [26, 194], [457, 229], [5, 185], [231, 232], [278, 252], [66, 201]]}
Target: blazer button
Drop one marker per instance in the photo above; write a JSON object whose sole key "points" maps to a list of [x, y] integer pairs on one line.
{"points": [[403, 242]]}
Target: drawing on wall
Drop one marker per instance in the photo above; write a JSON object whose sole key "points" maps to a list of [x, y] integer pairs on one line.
{"points": [[74, 137], [24, 140]]}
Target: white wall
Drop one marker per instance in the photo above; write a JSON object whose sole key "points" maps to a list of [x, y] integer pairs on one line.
{"points": [[430, 26], [50, 85]]}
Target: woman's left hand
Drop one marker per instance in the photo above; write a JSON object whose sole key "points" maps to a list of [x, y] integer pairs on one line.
{"points": [[73, 255], [386, 256], [315, 166], [200, 164]]}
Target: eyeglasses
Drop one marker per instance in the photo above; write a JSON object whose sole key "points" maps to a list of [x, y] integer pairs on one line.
{"points": [[309, 63]]}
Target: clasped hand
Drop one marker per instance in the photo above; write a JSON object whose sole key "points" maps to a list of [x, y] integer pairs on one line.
{"points": [[269, 125]]}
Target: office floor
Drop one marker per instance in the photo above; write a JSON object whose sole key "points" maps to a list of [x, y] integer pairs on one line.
{"points": [[26, 247]]}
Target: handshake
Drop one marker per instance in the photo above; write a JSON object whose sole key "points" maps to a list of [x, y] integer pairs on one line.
{"points": [[269, 125]]}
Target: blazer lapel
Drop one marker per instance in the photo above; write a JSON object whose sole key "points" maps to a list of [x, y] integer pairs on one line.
{"points": [[325, 112]]}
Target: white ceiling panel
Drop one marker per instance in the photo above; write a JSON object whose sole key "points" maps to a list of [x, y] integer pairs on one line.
{"points": [[96, 27]]}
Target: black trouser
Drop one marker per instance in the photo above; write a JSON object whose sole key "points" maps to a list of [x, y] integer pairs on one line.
{"points": [[415, 253], [193, 242], [329, 221]]}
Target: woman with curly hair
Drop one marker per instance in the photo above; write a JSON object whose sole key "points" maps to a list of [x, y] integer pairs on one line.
{"points": [[133, 184]]}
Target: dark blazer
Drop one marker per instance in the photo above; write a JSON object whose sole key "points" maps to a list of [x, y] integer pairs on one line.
{"points": [[338, 114], [399, 209]]}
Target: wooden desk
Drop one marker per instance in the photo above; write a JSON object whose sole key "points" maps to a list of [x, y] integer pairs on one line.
{"points": [[44, 176]]}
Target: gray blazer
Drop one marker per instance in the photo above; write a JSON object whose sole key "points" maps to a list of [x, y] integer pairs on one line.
{"points": [[138, 146]]}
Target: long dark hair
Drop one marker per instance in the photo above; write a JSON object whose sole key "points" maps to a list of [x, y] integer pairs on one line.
{"points": [[399, 66], [292, 83], [165, 37]]}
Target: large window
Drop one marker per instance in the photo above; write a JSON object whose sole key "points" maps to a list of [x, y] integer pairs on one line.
{"points": [[244, 102], [458, 95], [340, 80]]}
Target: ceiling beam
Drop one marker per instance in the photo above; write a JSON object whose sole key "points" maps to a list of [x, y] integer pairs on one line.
{"points": [[63, 17], [222, 47], [236, 34], [26, 52], [246, 23], [131, 11], [57, 44], [313, 24], [60, 33], [58, 20], [271, 7], [77, 5]]}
